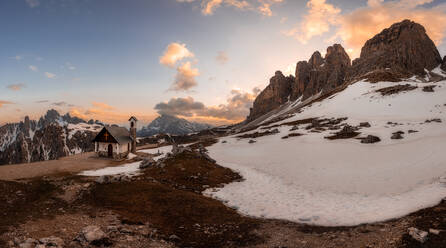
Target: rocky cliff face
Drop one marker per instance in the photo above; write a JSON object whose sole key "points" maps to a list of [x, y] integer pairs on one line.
{"points": [[404, 48], [400, 51], [52, 137], [443, 66], [274, 95], [320, 74]]}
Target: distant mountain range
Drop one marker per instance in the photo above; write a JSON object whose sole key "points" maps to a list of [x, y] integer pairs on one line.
{"points": [[51, 137], [171, 125]]}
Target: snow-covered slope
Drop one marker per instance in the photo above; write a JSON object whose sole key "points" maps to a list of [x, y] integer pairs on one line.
{"points": [[171, 125], [314, 180]]}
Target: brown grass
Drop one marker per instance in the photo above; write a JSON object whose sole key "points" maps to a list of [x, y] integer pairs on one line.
{"points": [[169, 199], [396, 89]]}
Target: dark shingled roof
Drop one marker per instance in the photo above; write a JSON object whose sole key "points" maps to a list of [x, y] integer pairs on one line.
{"points": [[121, 134]]}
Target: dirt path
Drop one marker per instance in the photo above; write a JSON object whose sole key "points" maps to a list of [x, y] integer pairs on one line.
{"points": [[70, 164]]}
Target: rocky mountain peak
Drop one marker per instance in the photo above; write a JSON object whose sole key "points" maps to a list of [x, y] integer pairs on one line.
{"points": [[274, 95], [403, 48], [337, 57], [169, 124], [316, 59]]}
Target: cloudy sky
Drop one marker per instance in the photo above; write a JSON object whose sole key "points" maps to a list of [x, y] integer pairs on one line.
{"points": [[204, 60]]}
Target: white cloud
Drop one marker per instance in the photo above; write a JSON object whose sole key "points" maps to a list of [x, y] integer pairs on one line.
{"points": [[174, 53], [33, 68], [50, 75], [33, 3]]}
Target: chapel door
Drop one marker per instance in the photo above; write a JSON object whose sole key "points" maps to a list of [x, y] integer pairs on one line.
{"points": [[110, 150]]}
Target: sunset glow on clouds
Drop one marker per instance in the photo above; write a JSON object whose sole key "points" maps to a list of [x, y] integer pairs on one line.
{"points": [[174, 53], [197, 59], [208, 7], [356, 27]]}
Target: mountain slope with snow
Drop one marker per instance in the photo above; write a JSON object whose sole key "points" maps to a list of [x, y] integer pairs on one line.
{"points": [[52, 137], [172, 125], [311, 179]]}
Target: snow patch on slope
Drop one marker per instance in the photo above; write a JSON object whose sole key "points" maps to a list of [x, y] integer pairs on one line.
{"points": [[313, 180]]}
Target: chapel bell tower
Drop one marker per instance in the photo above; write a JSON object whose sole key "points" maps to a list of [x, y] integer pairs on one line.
{"points": [[133, 122]]}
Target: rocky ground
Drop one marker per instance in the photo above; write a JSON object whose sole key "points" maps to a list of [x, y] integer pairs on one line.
{"points": [[164, 207]]}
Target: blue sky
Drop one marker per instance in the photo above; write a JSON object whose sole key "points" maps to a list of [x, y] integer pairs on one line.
{"points": [[101, 58]]}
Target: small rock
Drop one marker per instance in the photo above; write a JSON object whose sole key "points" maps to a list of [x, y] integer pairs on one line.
{"points": [[397, 135], [364, 124], [174, 237], [103, 179], [296, 127], [52, 241], [412, 131], [429, 88], [418, 235], [147, 162], [224, 141], [434, 231], [370, 139], [252, 141], [93, 233]]}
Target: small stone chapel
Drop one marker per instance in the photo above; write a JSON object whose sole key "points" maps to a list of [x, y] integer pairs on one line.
{"points": [[116, 142]]}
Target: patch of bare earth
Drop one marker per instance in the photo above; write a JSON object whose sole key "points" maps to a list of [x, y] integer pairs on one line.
{"points": [[164, 207], [170, 198], [396, 89]]}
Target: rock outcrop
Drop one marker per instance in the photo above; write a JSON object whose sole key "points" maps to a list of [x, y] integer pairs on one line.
{"points": [[274, 95], [321, 74], [400, 51], [404, 48], [443, 66]]}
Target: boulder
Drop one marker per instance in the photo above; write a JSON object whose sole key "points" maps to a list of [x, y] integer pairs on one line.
{"points": [[147, 162], [29, 243], [103, 179], [92, 234], [418, 235], [52, 242], [403, 48], [252, 141], [397, 135], [273, 96]]}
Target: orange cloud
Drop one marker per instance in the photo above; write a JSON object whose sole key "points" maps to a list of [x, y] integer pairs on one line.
{"points": [[185, 78], [357, 27], [107, 114], [321, 15], [222, 57], [265, 6], [208, 7], [16, 87], [4, 102], [173, 53], [102, 105]]}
